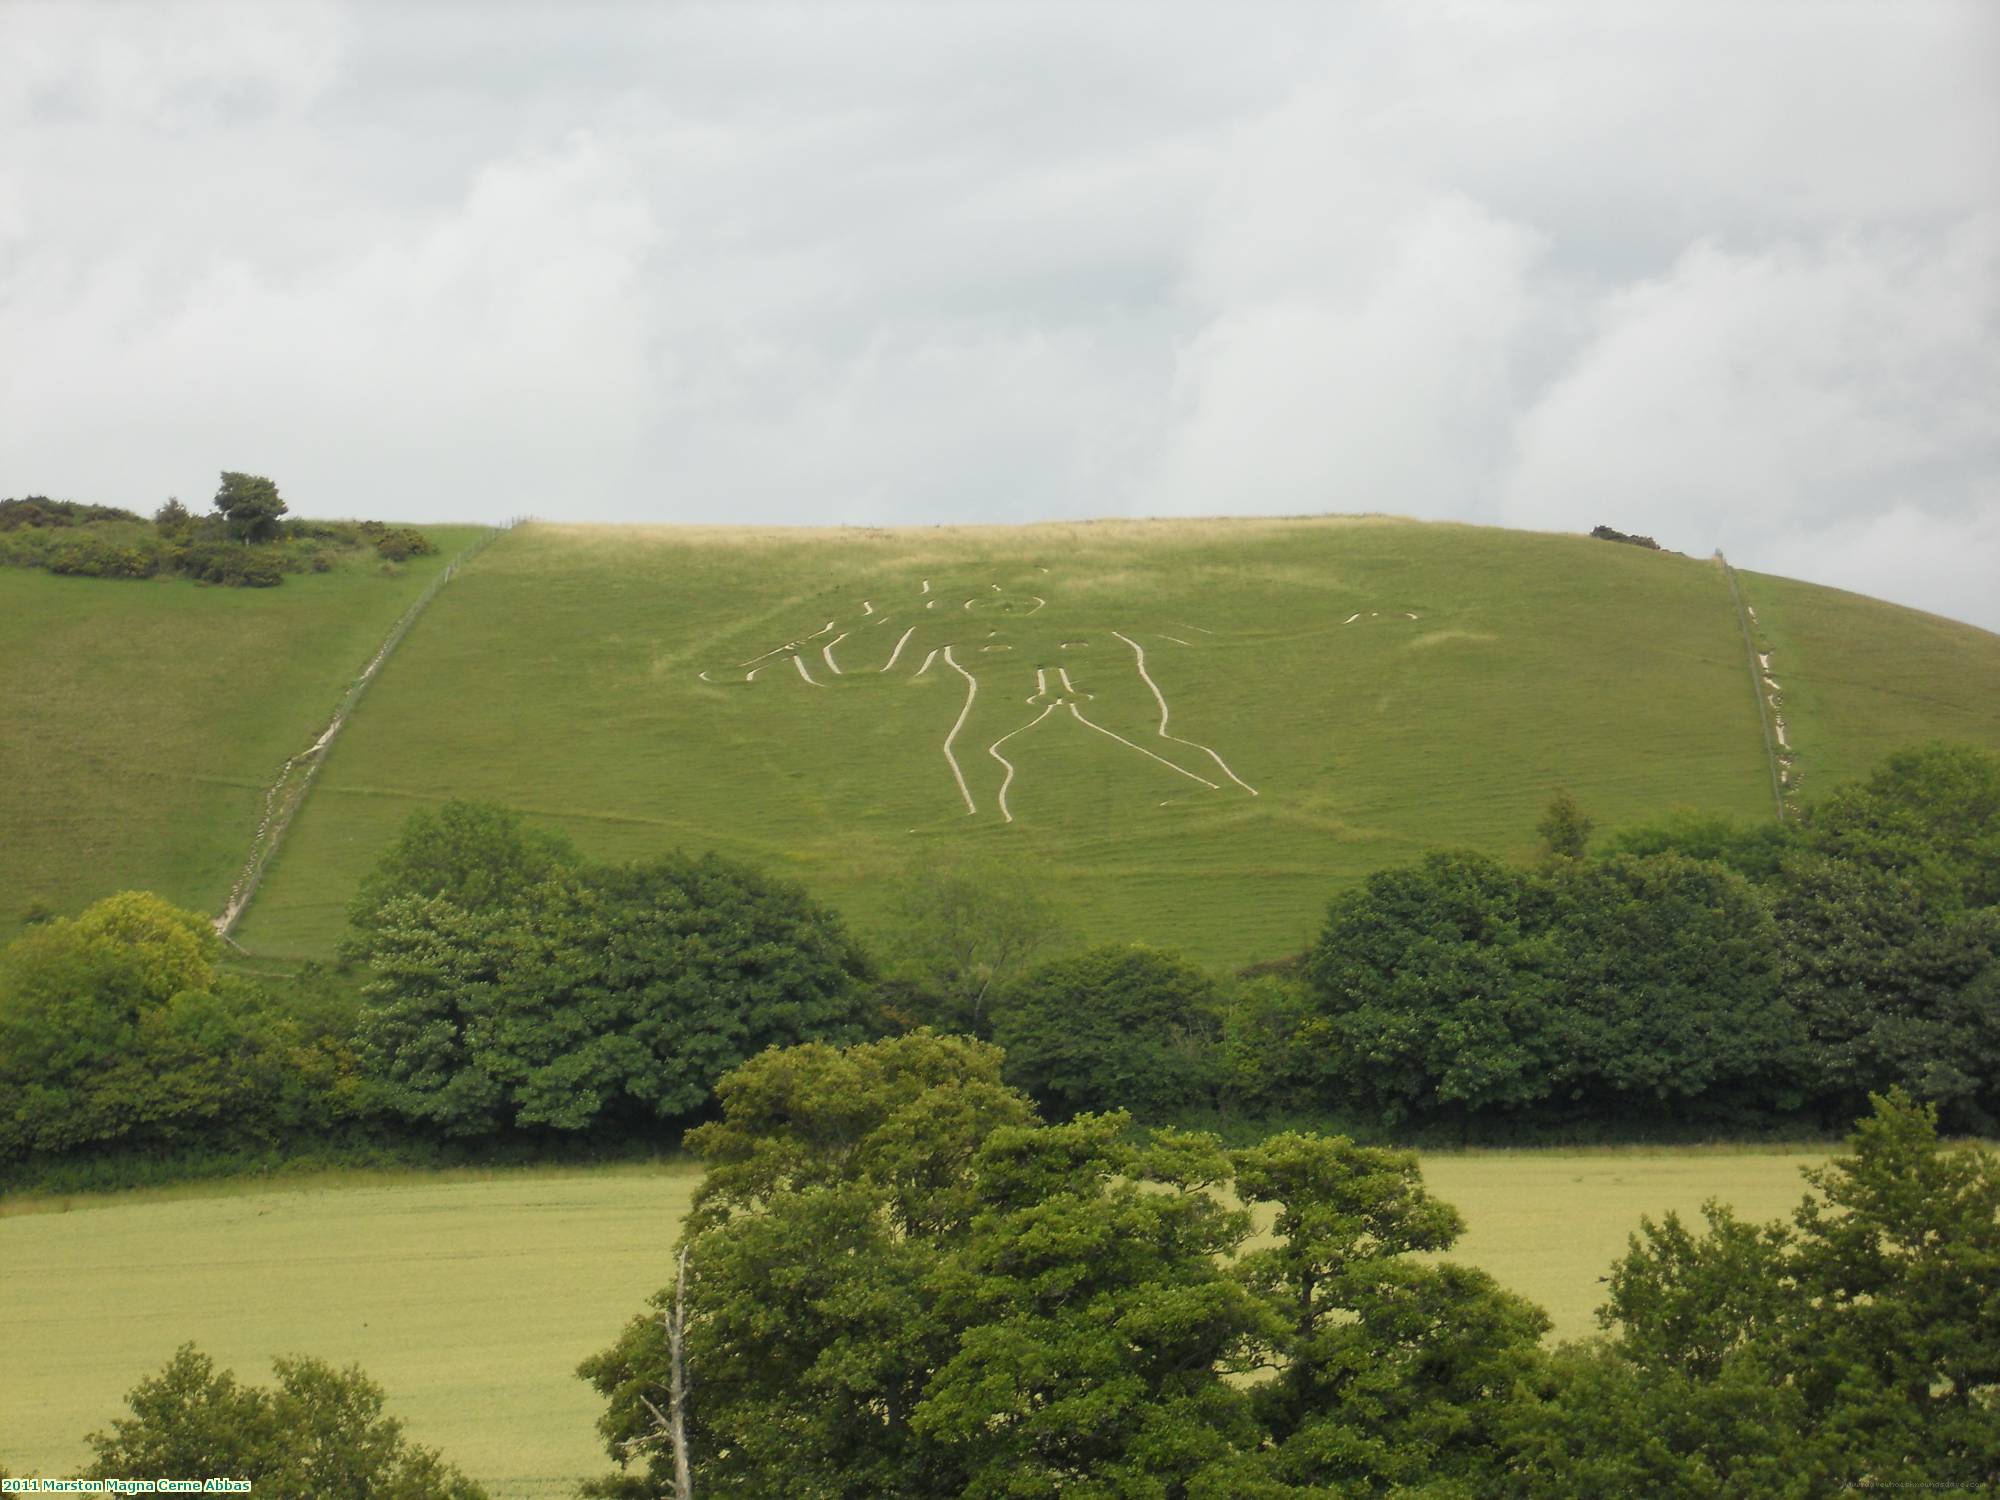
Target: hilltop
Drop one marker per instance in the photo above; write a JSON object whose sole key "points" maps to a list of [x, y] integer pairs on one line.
{"points": [[1193, 730]]}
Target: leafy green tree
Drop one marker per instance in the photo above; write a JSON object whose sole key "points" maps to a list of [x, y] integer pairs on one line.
{"points": [[1755, 851], [1890, 990], [962, 932], [1113, 1028], [903, 1285], [1565, 828], [320, 1434], [1435, 993], [1851, 1348], [1393, 1374], [250, 504], [172, 518], [477, 855], [1930, 815], [596, 997], [1667, 985], [116, 1029]]}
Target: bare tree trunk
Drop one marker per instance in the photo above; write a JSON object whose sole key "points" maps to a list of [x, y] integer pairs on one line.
{"points": [[677, 1390]]}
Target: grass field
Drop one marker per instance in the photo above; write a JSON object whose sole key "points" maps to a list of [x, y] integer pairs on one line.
{"points": [[471, 1297], [562, 676], [143, 720]]}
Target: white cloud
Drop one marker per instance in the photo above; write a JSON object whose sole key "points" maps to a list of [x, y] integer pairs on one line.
{"points": [[1746, 396]]}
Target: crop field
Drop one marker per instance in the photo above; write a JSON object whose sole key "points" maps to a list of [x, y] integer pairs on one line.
{"points": [[471, 1297], [1193, 731], [143, 720]]}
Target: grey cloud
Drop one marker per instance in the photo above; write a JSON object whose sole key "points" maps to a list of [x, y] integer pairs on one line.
{"points": [[1726, 274]]}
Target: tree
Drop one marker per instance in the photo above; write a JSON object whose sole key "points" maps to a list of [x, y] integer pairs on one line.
{"points": [[479, 856], [172, 518], [1434, 992], [1930, 815], [963, 931], [1889, 989], [1116, 1027], [1393, 1374], [902, 1284], [509, 991], [1667, 987], [320, 1434], [1565, 828], [250, 504], [1849, 1349], [117, 1030]]}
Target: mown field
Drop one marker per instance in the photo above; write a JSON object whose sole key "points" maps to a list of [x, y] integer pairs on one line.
{"points": [[142, 720], [471, 1297], [563, 676]]}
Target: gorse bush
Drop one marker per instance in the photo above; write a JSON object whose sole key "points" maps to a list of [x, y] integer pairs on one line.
{"points": [[246, 543]]}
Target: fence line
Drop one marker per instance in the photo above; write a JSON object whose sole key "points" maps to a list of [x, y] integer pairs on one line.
{"points": [[285, 795], [1756, 685]]}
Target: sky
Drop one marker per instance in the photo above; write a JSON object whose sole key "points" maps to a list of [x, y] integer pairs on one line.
{"points": [[1725, 274]]}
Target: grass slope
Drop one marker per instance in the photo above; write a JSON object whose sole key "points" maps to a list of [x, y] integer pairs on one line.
{"points": [[561, 676], [143, 719], [472, 1298]]}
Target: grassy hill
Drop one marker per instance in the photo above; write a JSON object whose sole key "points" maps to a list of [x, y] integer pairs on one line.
{"points": [[1382, 686], [143, 720]]}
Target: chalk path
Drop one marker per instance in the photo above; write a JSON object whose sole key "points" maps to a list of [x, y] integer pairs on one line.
{"points": [[971, 692], [1088, 724], [899, 649], [994, 751], [1139, 653]]}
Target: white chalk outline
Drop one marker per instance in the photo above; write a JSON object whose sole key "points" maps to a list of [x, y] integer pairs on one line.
{"points": [[790, 645], [971, 692], [927, 663], [827, 652], [994, 751], [898, 651], [1040, 603], [867, 608], [1212, 786], [1068, 686], [1160, 698], [800, 663]]}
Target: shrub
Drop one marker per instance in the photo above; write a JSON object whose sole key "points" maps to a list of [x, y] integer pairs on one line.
{"points": [[404, 542], [319, 1433], [235, 566]]}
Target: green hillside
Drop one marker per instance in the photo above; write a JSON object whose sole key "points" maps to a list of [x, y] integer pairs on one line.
{"points": [[1383, 686], [143, 719]]}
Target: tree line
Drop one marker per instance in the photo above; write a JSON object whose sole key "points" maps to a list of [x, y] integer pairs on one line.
{"points": [[898, 1279], [500, 988], [244, 542]]}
